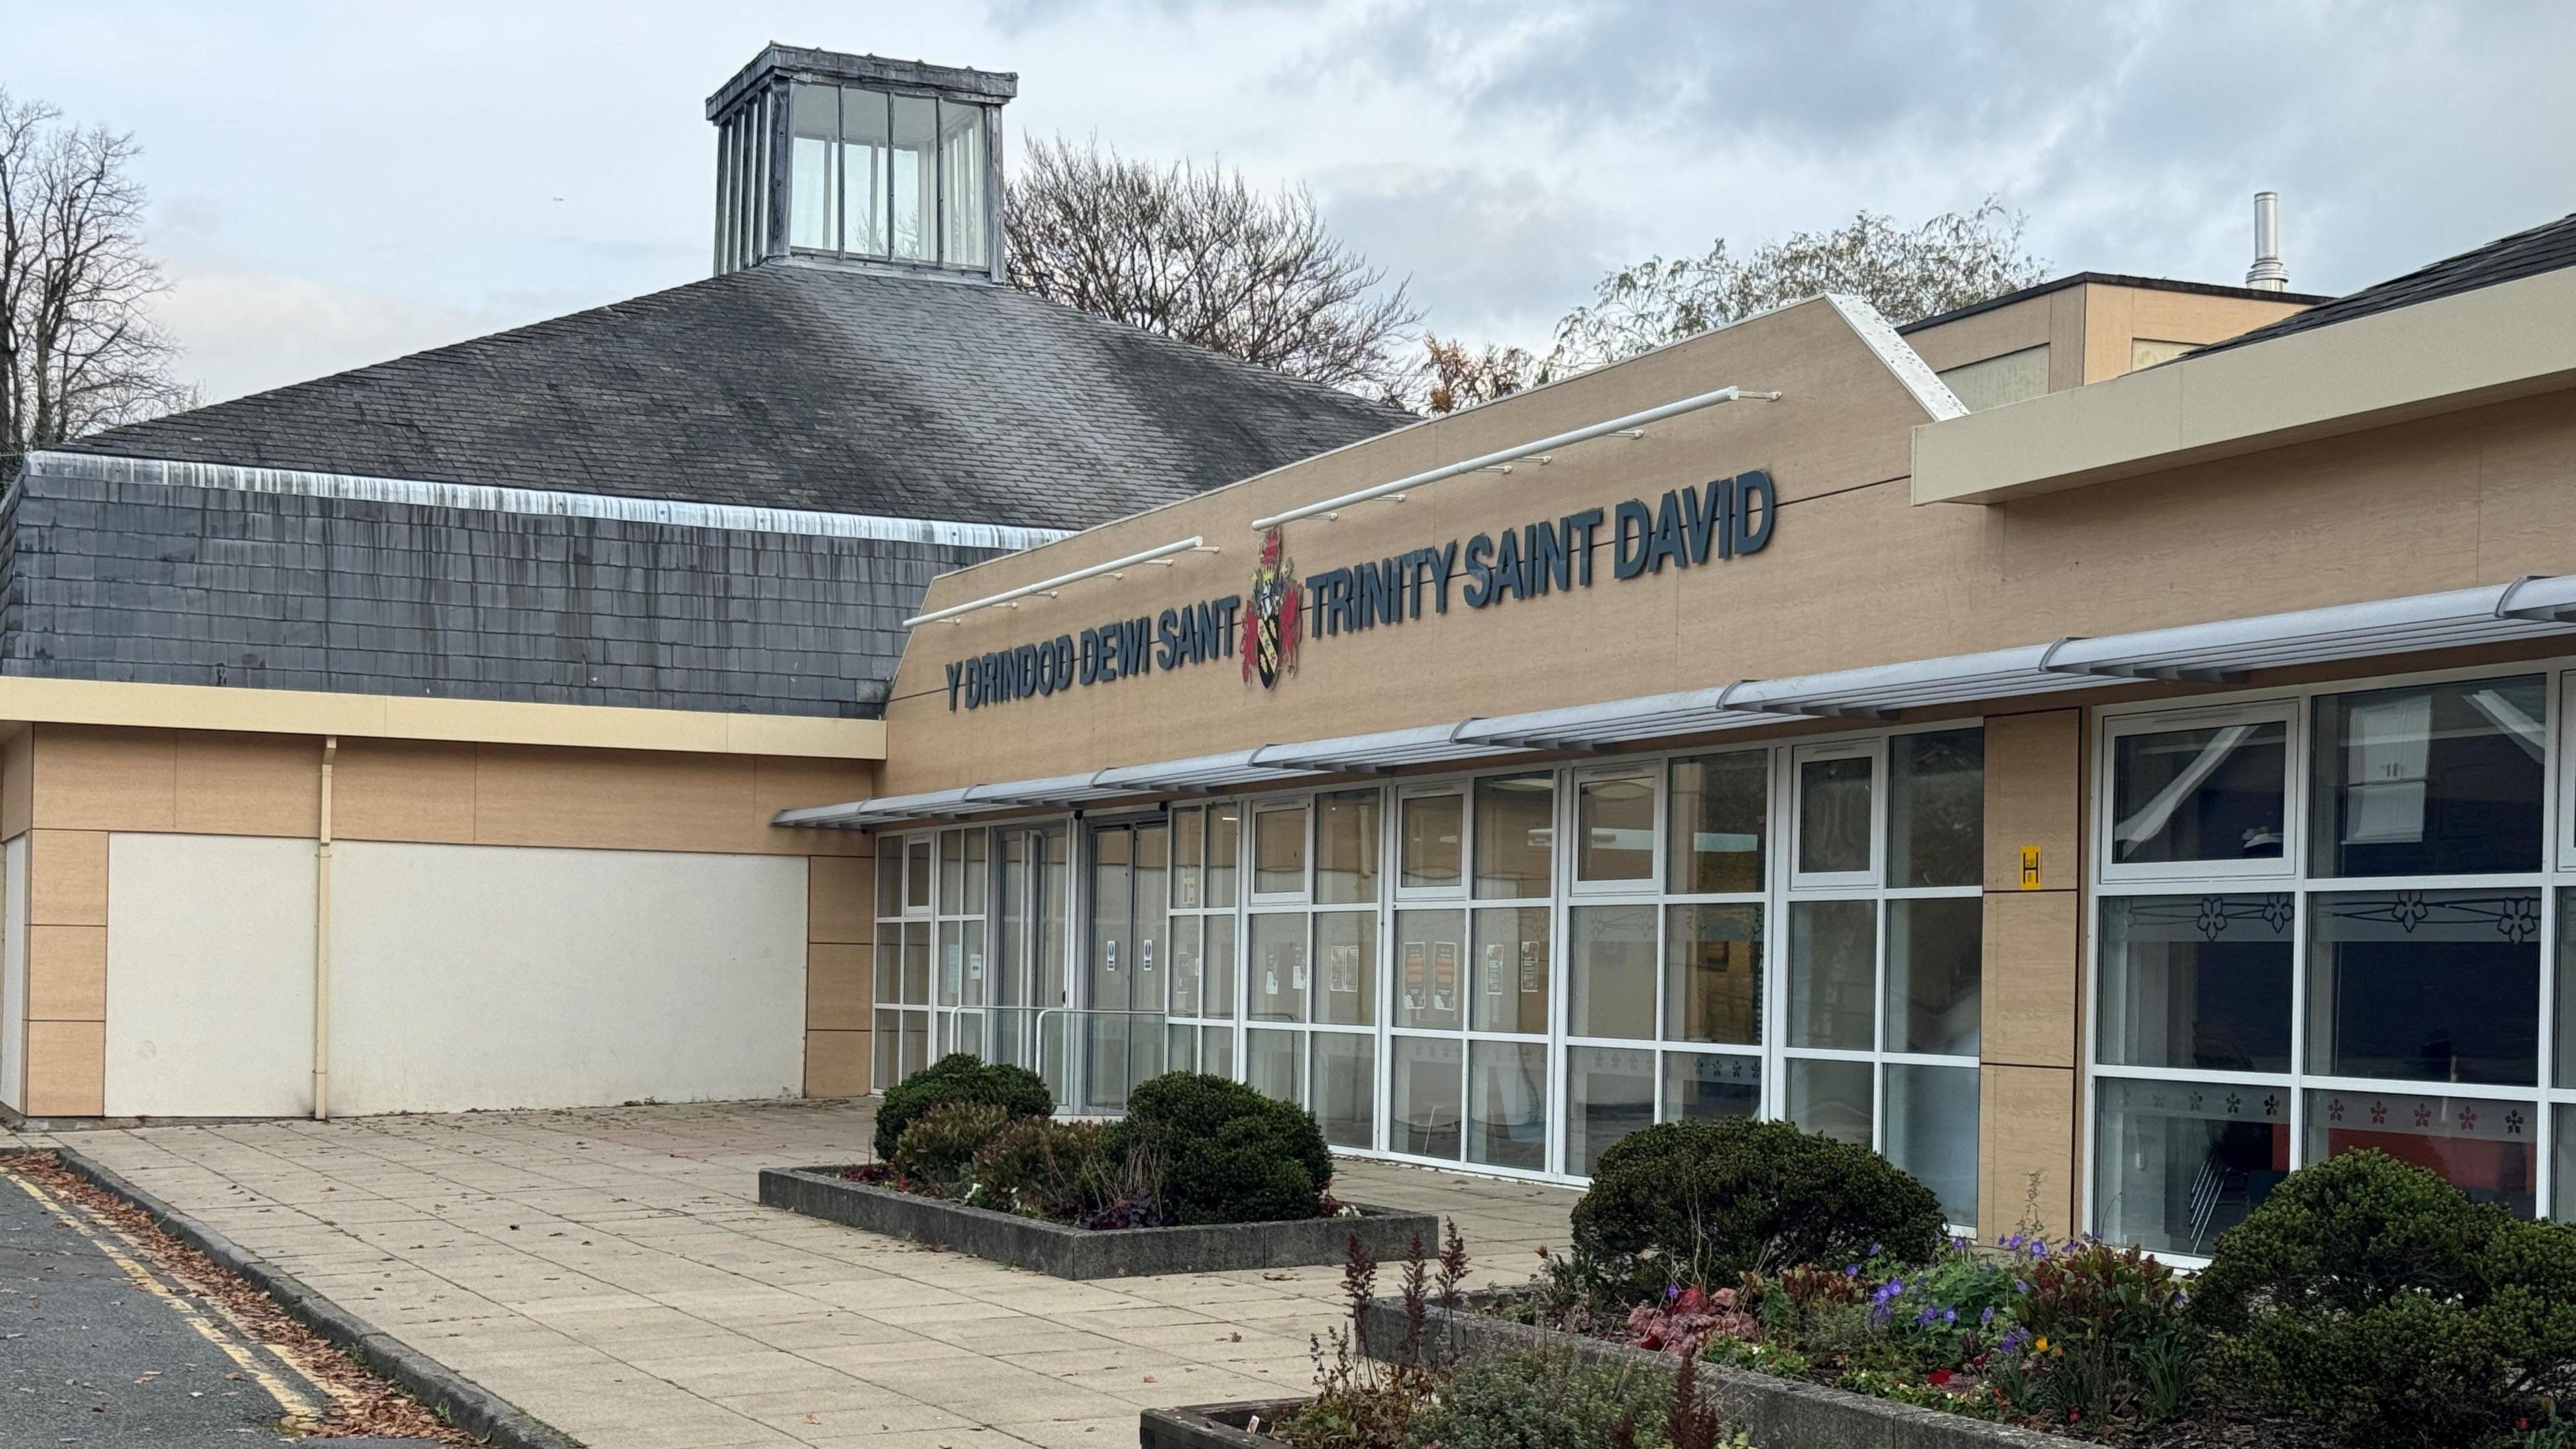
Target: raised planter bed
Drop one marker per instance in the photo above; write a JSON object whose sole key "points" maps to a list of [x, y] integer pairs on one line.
{"points": [[1781, 1413], [1070, 1252], [1212, 1426]]}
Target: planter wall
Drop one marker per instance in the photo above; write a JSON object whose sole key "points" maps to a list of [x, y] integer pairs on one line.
{"points": [[1781, 1413], [1211, 1426], [1069, 1252]]}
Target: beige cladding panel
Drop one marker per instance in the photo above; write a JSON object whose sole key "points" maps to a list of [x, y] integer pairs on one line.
{"points": [[67, 877], [66, 1068], [240, 784], [1987, 334], [2034, 968], [836, 1064], [403, 790], [2034, 798], [2026, 1150], [67, 973], [106, 779], [837, 987]]}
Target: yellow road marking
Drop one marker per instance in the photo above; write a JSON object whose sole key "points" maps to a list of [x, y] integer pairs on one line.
{"points": [[300, 1413]]}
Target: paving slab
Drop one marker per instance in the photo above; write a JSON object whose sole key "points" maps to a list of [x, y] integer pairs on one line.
{"points": [[612, 1272]]}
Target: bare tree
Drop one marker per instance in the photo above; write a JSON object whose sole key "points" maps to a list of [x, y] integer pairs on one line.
{"points": [[1951, 261], [1454, 375], [1196, 253], [77, 352]]}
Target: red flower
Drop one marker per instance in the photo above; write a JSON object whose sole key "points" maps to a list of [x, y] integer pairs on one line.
{"points": [[1937, 1377]]}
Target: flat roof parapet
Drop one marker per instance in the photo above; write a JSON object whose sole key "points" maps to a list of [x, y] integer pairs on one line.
{"points": [[805, 63]]}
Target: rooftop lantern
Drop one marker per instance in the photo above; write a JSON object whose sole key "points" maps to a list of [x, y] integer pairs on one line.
{"points": [[860, 160]]}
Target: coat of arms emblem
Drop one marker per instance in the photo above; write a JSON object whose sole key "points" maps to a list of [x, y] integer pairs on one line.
{"points": [[1270, 619]]}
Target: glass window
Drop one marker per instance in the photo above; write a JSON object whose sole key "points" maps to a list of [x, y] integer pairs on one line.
{"points": [[1711, 1085], [1609, 1093], [2429, 986], [2437, 779], [811, 187], [1507, 1104], [1426, 1085], [2487, 1149], [1429, 949], [1512, 956], [1831, 1097], [1834, 825], [1935, 976], [1612, 971], [2178, 1163], [1515, 837], [1346, 958], [1278, 967], [889, 878], [1186, 978], [1217, 970], [1713, 973], [1279, 851], [978, 873], [1932, 1132], [1345, 847], [1274, 1063], [1719, 807], [952, 870], [889, 954], [1216, 1051], [916, 963], [914, 190], [1833, 974], [1224, 846], [2208, 794], [866, 154], [961, 185], [2197, 981], [1936, 808], [916, 874], [1614, 823], [1433, 849], [1189, 849], [1345, 1084]]}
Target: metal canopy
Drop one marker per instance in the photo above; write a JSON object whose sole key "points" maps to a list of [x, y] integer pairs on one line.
{"points": [[2215, 653]]}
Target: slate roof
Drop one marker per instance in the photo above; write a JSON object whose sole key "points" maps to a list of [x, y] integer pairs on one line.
{"points": [[789, 385], [2544, 248]]}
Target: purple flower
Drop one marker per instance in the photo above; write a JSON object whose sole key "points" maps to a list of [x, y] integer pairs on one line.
{"points": [[1950, 1316], [1852, 1271], [1988, 1316]]}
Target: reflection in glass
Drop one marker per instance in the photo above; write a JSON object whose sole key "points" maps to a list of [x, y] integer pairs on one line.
{"points": [[1507, 1104], [1609, 1093], [864, 158], [1833, 815], [886, 1064], [1224, 847], [2181, 1162], [2487, 1149], [2197, 981], [1515, 837], [1279, 851], [1430, 956], [1830, 1097], [913, 198], [1936, 808], [1710, 1085], [1433, 848], [1345, 963], [1187, 966], [1833, 974], [1511, 976], [1426, 1085], [811, 187], [916, 963], [1719, 806], [1218, 968], [2563, 1175], [1277, 968], [1274, 1064], [962, 200], [1935, 975], [889, 878], [1713, 973], [1612, 971], [2199, 794], [1189, 851], [2431, 986], [1345, 1085], [1614, 828], [1345, 847], [1216, 1051], [1932, 1133], [2435, 779]]}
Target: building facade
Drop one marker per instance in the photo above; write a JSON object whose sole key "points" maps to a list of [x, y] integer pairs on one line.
{"points": [[2100, 802]]}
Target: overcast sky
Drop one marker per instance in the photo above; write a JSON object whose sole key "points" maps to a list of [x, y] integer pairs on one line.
{"points": [[336, 183]]}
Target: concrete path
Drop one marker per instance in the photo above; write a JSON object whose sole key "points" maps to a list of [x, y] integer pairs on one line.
{"points": [[611, 1272]]}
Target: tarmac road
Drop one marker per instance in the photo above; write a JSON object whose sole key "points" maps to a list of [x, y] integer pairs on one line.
{"points": [[97, 1347]]}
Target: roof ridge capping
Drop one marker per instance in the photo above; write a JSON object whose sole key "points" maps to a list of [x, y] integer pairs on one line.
{"points": [[2487, 326]]}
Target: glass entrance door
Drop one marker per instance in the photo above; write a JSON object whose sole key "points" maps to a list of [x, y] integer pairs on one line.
{"points": [[1128, 963]]}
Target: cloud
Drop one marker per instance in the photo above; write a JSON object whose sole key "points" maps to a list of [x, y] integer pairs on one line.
{"points": [[1492, 253], [243, 332]]}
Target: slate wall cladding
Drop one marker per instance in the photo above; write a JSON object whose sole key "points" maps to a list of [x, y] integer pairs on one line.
{"points": [[188, 585]]}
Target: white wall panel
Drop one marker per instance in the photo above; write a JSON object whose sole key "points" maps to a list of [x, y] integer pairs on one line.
{"points": [[480, 976], [209, 975], [13, 974]]}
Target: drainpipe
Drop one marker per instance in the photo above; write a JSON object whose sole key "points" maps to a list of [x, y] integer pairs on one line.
{"points": [[322, 941]]}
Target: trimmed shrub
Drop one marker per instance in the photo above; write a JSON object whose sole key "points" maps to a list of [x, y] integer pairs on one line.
{"points": [[1045, 1169], [1536, 1399], [1227, 1154], [2372, 1297], [958, 1077], [1701, 1203], [936, 1150]]}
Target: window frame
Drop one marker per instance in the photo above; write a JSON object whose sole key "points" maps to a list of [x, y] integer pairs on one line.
{"points": [[2291, 714]]}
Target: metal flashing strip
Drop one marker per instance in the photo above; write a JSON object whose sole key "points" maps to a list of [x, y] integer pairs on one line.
{"points": [[2216, 653], [107, 468], [1908, 365]]}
